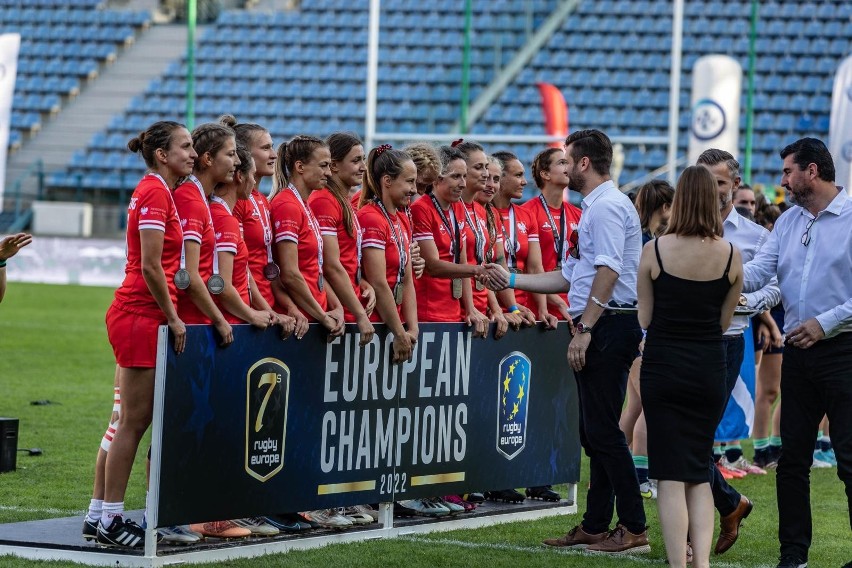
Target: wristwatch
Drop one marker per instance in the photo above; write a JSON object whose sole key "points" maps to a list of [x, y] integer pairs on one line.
{"points": [[583, 328]]}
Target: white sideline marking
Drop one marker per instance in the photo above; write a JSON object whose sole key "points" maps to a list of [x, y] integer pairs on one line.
{"points": [[45, 511], [639, 559]]}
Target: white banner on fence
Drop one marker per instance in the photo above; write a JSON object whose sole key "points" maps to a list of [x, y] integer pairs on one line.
{"points": [[840, 127], [716, 89], [9, 46], [55, 260]]}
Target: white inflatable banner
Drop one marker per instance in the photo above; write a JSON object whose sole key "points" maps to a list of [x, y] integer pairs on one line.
{"points": [[840, 127], [9, 46], [715, 119]]}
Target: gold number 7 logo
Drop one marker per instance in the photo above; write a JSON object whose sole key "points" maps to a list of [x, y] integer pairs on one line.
{"points": [[270, 379]]}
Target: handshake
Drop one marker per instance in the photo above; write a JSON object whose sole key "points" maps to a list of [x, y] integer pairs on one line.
{"points": [[494, 276]]}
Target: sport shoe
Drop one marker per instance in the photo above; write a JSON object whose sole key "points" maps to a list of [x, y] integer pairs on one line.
{"points": [[90, 529], [507, 495], [622, 541], [367, 510], [289, 523], [220, 529], [400, 509], [457, 500], [788, 561], [451, 506], [329, 519], [122, 533], [475, 498], [826, 456], [727, 472], [648, 489], [742, 464], [356, 516], [576, 538], [724, 463], [425, 507], [819, 463], [178, 535], [543, 492], [258, 526]]}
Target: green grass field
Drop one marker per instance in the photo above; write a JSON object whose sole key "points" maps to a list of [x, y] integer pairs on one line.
{"points": [[53, 346]]}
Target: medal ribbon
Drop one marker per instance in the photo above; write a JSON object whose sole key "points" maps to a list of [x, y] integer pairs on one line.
{"points": [[558, 244]]}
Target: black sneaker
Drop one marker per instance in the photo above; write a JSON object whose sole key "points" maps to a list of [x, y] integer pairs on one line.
{"points": [[475, 498], [90, 529], [122, 533], [400, 510], [507, 495], [790, 561], [544, 492], [288, 522]]}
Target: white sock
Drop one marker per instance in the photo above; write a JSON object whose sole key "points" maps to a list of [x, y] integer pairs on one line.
{"points": [[96, 507], [111, 511]]}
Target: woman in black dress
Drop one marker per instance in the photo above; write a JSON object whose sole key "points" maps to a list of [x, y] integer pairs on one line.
{"points": [[689, 282]]}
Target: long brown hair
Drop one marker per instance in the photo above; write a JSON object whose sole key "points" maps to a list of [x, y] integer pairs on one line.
{"points": [[381, 161], [695, 209], [299, 149], [339, 144], [650, 198]]}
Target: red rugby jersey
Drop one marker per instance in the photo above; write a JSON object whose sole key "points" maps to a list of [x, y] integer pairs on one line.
{"points": [[229, 239], [194, 213], [151, 208], [516, 243], [257, 232], [378, 234], [293, 221]]}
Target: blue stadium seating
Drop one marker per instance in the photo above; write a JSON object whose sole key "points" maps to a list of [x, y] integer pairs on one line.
{"points": [[304, 70], [63, 42]]}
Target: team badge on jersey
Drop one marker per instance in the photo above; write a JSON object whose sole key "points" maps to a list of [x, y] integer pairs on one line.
{"points": [[514, 374], [267, 394]]}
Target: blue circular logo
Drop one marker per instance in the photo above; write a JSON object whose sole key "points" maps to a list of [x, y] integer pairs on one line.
{"points": [[846, 151], [708, 119]]}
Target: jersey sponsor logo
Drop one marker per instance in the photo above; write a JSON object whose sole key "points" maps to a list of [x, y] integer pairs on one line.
{"points": [[219, 235], [522, 227], [132, 205], [267, 394], [144, 210], [513, 387]]}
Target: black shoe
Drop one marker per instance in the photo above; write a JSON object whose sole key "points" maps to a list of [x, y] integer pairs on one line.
{"points": [[475, 498], [544, 492], [507, 495], [90, 529], [122, 533], [400, 510], [288, 522], [790, 561]]}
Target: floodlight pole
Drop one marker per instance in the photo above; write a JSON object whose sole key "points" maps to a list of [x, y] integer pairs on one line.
{"points": [[465, 82], [372, 74], [752, 53], [191, 16], [674, 88]]}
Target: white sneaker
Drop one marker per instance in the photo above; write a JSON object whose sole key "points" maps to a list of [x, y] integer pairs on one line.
{"points": [[178, 535], [356, 516], [743, 464], [367, 510], [820, 464], [329, 518], [257, 525], [648, 489], [426, 507]]}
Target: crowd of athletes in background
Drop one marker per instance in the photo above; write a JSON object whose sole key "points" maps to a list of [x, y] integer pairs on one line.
{"points": [[396, 236]]}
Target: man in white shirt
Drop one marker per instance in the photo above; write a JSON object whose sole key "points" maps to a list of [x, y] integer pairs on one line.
{"points": [[810, 250], [748, 237], [600, 270]]}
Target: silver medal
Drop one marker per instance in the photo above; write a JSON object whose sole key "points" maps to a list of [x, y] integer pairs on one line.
{"points": [[320, 283], [216, 284], [271, 271], [182, 279], [398, 292], [457, 288], [480, 286]]}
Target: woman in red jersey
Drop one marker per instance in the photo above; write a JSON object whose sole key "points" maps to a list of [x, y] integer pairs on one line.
{"points": [[341, 232], [387, 190], [253, 214], [199, 279], [144, 301], [302, 168], [236, 299], [520, 236], [516, 313], [555, 219], [444, 291]]}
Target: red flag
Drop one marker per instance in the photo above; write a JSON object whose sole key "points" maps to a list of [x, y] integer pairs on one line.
{"points": [[555, 112]]}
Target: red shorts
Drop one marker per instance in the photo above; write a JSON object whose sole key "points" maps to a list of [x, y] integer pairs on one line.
{"points": [[133, 338]]}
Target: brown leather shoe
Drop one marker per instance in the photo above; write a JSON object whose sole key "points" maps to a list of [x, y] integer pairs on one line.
{"points": [[622, 541], [730, 525], [576, 538]]}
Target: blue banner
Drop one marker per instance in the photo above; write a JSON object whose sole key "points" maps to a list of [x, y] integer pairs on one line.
{"points": [[269, 426], [738, 419]]}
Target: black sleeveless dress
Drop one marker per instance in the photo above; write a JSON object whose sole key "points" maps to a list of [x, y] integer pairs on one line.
{"points": [[682, 379]]}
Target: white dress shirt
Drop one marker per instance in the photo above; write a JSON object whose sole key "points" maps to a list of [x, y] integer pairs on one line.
{"points": [[815, 280], [609, 235], [749, 237]]}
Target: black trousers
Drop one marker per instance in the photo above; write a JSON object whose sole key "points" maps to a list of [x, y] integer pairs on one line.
{"points": [[814, 382], [725, 497], [601, 386]]}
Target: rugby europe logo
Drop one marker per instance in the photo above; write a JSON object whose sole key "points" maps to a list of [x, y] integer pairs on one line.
{"points": [[514, 381], [267, 394]]}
